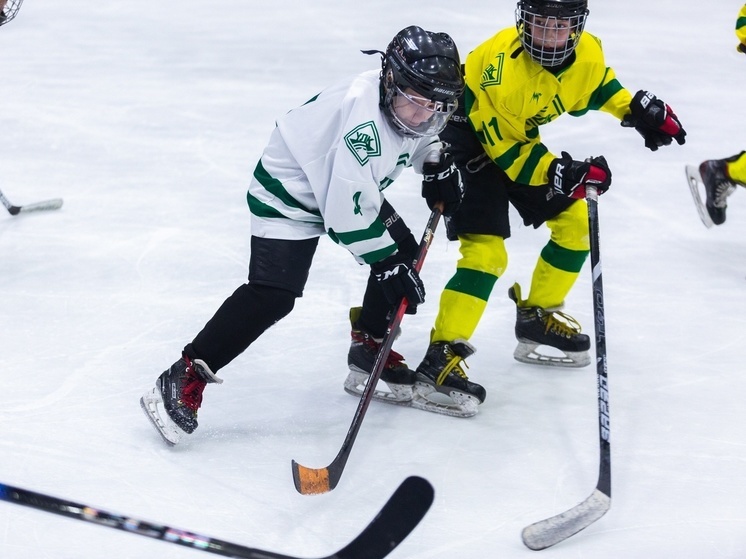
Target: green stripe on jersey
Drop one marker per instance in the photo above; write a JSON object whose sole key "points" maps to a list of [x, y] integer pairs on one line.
{"points": [[275, 187], [260, 209], [600, 96], [529, 167], [375, 231]]}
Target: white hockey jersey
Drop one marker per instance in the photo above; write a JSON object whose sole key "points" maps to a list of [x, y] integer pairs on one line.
{"points": [[326, 165]]}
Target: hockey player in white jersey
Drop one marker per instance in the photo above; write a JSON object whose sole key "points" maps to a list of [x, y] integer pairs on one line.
{"points": [[324, 170]]}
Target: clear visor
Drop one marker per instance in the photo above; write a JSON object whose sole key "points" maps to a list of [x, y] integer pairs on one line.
{"points": [[421, 116]]}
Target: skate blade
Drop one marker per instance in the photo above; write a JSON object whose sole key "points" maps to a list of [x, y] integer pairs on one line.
{"points": [[454, 403], [695, 186], [529, 352], [166, 428], [400, 394]]}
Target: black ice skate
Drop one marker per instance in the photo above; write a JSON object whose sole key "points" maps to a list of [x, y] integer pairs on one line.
{"points": [[172, 405], [713, 177], [442, 385], [548, 336], [396, 376], [718, 187]]}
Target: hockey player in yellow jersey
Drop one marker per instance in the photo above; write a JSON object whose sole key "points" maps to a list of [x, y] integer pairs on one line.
{"points": [[719, 176], [524, 77]]}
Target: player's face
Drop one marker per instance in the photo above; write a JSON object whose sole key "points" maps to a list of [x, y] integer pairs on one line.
{"points": [[2, 4], [412, 108], [549, 32]]}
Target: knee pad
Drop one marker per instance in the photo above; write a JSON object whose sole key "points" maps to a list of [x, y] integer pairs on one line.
{"points": [[570, 227], [483, 253]]}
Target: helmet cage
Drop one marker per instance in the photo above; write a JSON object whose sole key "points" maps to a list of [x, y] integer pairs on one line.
{"points": [[8, 10], [539, 22]]}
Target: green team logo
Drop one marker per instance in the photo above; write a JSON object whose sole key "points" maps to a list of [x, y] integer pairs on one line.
{"points": [[493, 74], [363, 141], [356, 201]]}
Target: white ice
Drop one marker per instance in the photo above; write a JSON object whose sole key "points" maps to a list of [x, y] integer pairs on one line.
{"points": [[148, 119]]}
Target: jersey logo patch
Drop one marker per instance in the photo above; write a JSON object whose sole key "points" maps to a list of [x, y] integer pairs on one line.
{"points": [[363, 141], [356, 200], [493, 74]]}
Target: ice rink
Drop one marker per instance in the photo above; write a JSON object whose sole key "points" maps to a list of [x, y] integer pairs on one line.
{"points": [[148, 118]]}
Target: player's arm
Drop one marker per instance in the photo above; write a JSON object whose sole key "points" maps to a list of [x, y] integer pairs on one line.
{"points": [[741, 29]]}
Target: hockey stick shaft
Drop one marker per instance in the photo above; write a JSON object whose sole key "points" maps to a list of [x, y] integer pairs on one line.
{"points": [[555, 529], [310, 481], [53, 204], [399, 516], [602, 375]]}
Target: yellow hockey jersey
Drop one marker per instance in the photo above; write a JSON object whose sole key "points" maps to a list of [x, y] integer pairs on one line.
{"points": [[741, 28], [509, 96]]}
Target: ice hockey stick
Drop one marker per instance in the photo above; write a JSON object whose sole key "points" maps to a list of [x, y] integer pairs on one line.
{"points": [[53, 204], [313, 481], [555, 529], [396, 520]]}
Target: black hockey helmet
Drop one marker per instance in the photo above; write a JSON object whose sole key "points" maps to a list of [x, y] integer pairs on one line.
{"points": [[8, 10], [424, 68], [537, 22]]}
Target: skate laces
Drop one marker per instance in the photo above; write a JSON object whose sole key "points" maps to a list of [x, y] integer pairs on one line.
{"points": [[453, 365], [723, 189], [560, 323], [191, 392], [722, 186]]}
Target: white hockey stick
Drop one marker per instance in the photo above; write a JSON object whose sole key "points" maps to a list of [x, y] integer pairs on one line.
{"points": [[53, 204], [555, 529]]}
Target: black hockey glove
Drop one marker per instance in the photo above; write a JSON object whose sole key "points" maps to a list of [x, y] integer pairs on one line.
{"points": [[441, 182], [570, 177], [741, 48], [398, 278], [654, 120]]}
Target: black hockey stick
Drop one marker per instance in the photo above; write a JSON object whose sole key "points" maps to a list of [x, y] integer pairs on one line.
{"points": [[309, 481], [398, 517], [546, 533], [53, 204]]}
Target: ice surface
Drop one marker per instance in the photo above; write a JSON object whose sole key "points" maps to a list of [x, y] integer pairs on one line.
{"points": [[148, 118]]}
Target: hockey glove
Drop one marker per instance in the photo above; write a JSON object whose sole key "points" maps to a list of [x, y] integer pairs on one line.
{"points": [[441, 182], [398, 278], [741, 48], [570, 177], [654, 120]]}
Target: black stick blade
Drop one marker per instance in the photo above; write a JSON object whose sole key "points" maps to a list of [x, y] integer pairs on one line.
{"points": [[396, 520]]}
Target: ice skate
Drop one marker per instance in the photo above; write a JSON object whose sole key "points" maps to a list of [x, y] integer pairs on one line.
{"points": [[718, 187], [548, 336], [712, 177], [171, 406], [398, 379], [442, 385]]}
